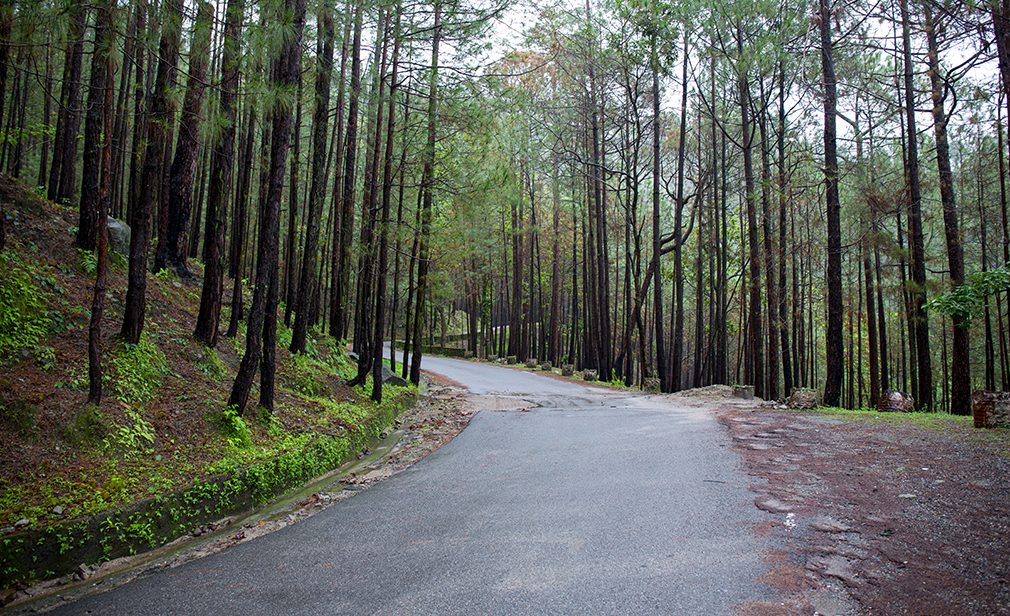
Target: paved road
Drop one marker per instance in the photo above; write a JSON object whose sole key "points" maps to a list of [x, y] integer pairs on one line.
{"points": [[595, 502]]}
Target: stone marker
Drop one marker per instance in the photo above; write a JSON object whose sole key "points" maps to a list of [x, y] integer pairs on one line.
{"points": [[804, 399], [590, 375], [567, 369], [991, 409], [896, 402]]}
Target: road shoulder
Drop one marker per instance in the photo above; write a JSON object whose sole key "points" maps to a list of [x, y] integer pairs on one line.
{"points": [[903, 517]]}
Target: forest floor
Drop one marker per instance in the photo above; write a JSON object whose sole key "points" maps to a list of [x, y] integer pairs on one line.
{"points": [[162, 425], [910, 514]]}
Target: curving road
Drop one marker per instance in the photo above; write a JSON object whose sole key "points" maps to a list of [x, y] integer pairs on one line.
{"points": [[593, 502]]}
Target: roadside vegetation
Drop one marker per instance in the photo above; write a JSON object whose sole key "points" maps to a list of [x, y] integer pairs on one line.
{"points": [[165, 425]]}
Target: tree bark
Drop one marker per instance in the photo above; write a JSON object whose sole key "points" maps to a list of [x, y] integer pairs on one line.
{"points": [[924, 371], [960, 384], [172, 246], [262, 323], [151, 174], [834, 347], [427, 190], [313, 214], [222, 159], [102, 60]]}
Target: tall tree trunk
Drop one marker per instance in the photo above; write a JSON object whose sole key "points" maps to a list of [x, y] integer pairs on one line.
{"points": [[753, 366], [262, 323], [338, 181], [960, 385], [787, 365], [661, 351], [102, 61], [427, 189], [151, 175], [771, 292], [834, 348], [387, 189], [340, 314], [61, 176], [924, 371], [313, 214], [222, 159], [94, 124], [172, 246], [291, 242]]}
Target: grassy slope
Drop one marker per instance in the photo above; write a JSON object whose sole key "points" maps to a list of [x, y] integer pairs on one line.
{"points": [[161, 425]]}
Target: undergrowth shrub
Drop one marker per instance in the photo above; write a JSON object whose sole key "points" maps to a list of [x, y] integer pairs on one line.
{"points": [[307, 375], [234, 427], [19, 415], [88, 260], [210, 364], [137, 371], [23, 315], [137, 434]]}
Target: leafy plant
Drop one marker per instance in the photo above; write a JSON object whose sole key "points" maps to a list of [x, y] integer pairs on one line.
{"points": [[23, 319], [210, 364], [89, 427], [968, 300], [138, 434], [235, 428], [137, 370], [307, 375], [89, 261]]}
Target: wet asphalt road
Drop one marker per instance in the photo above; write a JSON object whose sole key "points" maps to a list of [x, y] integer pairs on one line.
{"points": [[594, 502]]}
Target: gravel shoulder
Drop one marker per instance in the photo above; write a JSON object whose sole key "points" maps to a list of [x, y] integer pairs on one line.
{"points": [[904, 517]]}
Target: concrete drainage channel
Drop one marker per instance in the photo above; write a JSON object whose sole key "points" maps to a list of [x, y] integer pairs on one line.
{"points": [[304, 501]]}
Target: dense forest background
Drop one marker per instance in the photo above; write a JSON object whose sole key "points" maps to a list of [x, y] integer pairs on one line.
{"points": [[783, 194]]}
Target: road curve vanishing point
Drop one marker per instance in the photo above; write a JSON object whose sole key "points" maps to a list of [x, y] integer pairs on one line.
{"points": [[592, 502]]}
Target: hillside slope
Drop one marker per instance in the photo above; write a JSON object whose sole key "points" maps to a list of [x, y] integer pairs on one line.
{"points": [[162, 426]]}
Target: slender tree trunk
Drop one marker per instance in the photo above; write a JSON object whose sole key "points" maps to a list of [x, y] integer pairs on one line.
{"points": [[262, 322], [787, 364], [960, 385], [387, 189], [222, 158], [753, 366], [102, 61], [427, 189], [339, 316], [834, 347], [94, 125], [172, 246], [924, 371], [151, 175], [338, 180], [313, 214], [61, 176]]}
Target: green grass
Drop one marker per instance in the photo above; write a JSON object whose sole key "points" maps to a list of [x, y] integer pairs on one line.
{"points": [[925, 420]]}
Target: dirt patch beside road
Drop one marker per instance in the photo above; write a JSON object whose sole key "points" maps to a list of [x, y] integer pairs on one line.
{"points": [[906, 518]]}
